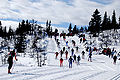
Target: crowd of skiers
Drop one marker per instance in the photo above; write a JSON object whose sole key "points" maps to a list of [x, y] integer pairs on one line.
{"points": [[111, 53], [73, 58]]}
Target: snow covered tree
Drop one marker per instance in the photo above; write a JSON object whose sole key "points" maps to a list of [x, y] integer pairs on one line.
{"points": [[20, 43]]}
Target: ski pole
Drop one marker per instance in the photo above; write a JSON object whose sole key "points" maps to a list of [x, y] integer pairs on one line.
{"points": [[13, 65]]}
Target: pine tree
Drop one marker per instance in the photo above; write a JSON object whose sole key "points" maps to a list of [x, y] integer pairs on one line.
{"points": [[48, 27], [81, 29], [70, 28], [47, 23], [86, 29], [94, 24], [114, 22], [0, 23], [105, 22], [119, 23], [5, 32], [109, 23], [1, 30], [10, 33], [74, 30]]}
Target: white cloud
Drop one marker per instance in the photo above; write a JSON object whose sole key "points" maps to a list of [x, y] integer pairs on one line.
{"points": [[79, 12]]}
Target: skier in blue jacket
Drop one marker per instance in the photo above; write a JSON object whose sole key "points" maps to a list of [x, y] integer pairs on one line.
{"points": [[70, 62]]}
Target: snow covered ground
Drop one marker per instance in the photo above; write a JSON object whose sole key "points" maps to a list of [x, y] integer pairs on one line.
{"points": [[101, 67]]}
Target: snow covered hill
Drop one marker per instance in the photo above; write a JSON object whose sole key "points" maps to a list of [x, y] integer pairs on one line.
{"points": [[101, 67], [14, 25]]}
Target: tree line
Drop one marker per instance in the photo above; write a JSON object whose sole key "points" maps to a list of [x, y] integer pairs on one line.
{"points": [[97, 25]]}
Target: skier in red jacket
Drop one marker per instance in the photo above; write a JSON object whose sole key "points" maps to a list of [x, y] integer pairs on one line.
{"points": [[61, 62], [56, 55], [10, 59]]}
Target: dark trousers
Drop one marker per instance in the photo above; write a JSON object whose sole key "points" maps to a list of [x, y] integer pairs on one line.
{"points": [[10, 65]]}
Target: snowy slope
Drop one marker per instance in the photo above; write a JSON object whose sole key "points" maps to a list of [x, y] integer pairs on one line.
{"points": [[101, 68]]}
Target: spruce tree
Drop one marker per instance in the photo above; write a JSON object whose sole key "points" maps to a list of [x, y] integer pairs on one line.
{"points": [[105, 22], [47, 24], [5, 32], [114, 22], [81, 29], [70, 28], [119, 23], [1, 30], [94, 24], [10, 33], [74, 30], [0, 23], [109, 23]]}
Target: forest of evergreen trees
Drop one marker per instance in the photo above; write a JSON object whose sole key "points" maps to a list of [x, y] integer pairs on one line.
{"points": [[96, 25]]}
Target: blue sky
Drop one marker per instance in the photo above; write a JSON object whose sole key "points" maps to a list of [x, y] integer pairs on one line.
{"points": [[60, 12]]}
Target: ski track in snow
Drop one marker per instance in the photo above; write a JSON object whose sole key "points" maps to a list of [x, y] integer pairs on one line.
{"points": [[26, 72], [71, 74], [95, 68], [117, 77], [92, 75], [49, 73]]}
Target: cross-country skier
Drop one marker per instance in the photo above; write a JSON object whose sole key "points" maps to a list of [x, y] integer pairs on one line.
{"points": [[61, 62], [83, 54], [56, 55], [74, 58], [90, 56], [78, 60], [70, 62], [66, 53], [77, 48], [73, 42], [66, 43], [61, 53], [63, 49], [80, 40], [10, 59], [115, 59], [84, 39], [72, 51], [112, 53]]}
